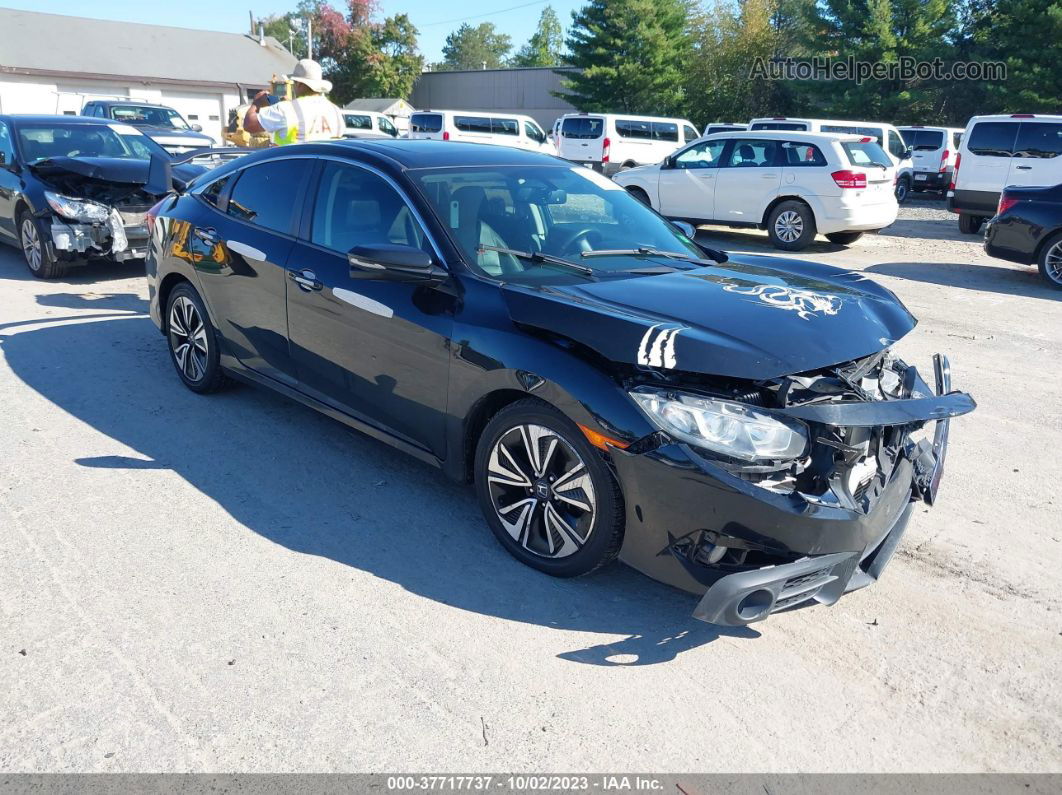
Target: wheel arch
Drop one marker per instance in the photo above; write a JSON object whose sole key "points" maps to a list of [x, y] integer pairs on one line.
{"points": [[787, 198], [1042, 245], [166, 286]]}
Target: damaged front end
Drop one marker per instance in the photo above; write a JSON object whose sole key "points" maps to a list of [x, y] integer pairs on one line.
{"points": [[794, 489], [94, 214]]}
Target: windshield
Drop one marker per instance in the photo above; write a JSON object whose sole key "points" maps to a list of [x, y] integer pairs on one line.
{"points": [[150, 115], [558, 211], [40, 142]]}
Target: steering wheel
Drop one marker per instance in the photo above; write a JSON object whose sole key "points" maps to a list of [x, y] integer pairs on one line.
{"points": [[572, 240]]}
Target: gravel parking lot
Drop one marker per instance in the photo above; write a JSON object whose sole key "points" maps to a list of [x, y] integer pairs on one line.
{"points": [[235, 583]]}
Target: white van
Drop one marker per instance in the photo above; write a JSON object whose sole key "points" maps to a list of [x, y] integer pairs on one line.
{"points": [[610, 142], [368, 124], [723, 126], [933, 153], [997, 151], [477, 127], [887, 136]]}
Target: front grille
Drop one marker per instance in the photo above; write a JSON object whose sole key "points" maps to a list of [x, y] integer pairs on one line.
{"points": [[804, 579]]}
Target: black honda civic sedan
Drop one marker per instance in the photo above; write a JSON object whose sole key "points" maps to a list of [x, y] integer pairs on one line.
{"points": [[1027, 228], [734, 426]]}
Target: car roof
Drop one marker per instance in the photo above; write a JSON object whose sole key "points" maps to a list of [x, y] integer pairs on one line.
{"points": [[928, 127], [1016, 117], [823, 121], [494, 114], [630, 116], [786, 135], [40, 118]]}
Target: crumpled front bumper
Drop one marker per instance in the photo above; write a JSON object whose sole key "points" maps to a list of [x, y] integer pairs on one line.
{"points": [[824, 550]]}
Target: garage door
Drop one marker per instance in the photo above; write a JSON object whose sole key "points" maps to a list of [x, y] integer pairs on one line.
{"points": [[201, 109]]}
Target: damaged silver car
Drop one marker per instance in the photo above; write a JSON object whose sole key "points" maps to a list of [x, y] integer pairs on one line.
{"points": [[74, 190]]}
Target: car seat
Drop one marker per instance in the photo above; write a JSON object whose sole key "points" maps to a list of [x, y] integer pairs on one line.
{"points": [[466, 220]]}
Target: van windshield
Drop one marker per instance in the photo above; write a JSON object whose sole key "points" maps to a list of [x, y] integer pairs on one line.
{"points": [[555, 211]]}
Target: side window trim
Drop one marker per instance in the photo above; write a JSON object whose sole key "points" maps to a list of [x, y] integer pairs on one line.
{"points": [[309, 204]]}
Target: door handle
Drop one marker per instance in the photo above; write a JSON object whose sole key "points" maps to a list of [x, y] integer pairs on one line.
{"points": [[1023, 168], [306, 279], [768, 176], [208, 235]]}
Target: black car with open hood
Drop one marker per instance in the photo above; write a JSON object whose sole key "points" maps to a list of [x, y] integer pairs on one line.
{"points": [[734, 425], [74, 190]]}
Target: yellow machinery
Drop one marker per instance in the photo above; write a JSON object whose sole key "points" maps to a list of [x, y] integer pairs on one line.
{"points": [[279, 87]]}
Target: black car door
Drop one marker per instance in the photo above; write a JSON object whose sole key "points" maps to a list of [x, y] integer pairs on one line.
{"points": [[10, 184], [375, 349], [240, 248]]}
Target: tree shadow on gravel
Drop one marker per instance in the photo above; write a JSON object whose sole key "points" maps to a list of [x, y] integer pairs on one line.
{"points": [[273, 464]]}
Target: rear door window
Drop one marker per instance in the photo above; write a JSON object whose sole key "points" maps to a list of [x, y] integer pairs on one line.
{"points": [[425, 122], [630, 128], [1039, 139], [665, 131], [504, 127], [263, 194], [993, 138]]}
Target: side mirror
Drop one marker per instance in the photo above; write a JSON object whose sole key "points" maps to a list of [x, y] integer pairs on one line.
{"points": [[197, 127], [906, 154], [669, 162], [395, 263], [686, 228]]}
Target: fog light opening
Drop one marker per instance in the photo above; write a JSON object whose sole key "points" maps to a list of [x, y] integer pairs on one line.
{"points": [[755, 605]]}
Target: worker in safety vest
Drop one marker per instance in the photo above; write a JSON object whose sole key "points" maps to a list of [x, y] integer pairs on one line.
{"points": [[310, 116]]}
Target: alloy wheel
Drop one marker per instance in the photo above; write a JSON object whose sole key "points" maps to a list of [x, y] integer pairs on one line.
{"points": [[789, 226], [541, 491], [1053, 263], [31, 244], [188, 338]]}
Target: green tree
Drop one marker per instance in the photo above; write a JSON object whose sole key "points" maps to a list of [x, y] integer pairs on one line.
{"points": [[546, 44], [631, 54], [882, 31], [1024, 34], [471, 47]]}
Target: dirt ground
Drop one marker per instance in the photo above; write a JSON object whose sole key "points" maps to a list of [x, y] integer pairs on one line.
{"points": [[235, 583]]}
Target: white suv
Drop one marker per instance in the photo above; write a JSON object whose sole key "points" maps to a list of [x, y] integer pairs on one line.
{"points": [[792, 184]]}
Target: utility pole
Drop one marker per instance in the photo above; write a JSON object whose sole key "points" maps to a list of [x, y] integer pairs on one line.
{"points": [[309, 38]]}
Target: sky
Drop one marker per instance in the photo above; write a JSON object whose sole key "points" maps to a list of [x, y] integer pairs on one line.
{"points": [[434, 18]]}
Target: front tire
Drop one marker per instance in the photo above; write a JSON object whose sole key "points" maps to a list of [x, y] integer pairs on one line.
{"points": [[640, 195], [791, 226], [193, 341], [39, 258], [970, 224], [1050, 261], [546, 493], [844, 238], [903, 189]]}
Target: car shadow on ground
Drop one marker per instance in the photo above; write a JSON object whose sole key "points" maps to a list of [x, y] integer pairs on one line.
{"points": [[747, 240], [309, 484], [1011, 280], [929, 229], [13, 268]]}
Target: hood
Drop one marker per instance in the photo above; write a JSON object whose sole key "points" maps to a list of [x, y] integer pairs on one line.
{"points": [[751, 317], [169, 132], [104, 179]]}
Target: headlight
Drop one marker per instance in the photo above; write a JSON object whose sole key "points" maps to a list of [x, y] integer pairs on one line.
{"points": [[723, 426], [77, 209]]}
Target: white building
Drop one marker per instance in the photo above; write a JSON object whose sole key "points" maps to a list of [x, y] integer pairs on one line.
{"points": [[51, 63]]}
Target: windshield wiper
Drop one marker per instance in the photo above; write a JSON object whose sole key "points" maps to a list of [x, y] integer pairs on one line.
{"points": [[648, 251], [537, 257]]}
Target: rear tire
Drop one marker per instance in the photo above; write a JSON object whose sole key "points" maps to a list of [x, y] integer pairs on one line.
{"points": [[970, 224], [546, 493], [193, 342], [791, 226], [844, 238], [39, 258], [1050, 261]]}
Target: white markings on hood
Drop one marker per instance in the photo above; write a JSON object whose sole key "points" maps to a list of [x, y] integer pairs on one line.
{"points": [[657, 348], [804, 302]]}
